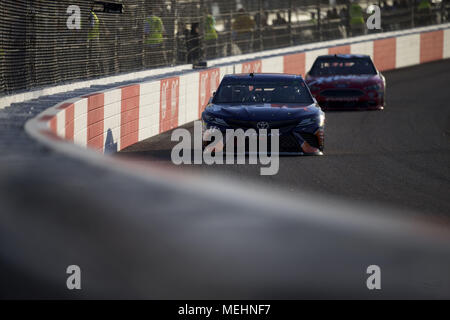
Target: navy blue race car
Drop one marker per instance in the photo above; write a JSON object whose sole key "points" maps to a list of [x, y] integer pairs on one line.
{"points": [[269, 101]]}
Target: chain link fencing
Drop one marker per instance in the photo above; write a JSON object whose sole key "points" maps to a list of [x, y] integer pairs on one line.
{"points": [[46, 42]]}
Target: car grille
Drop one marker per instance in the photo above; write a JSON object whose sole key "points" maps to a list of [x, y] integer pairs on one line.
{"points": [[341, 93], [240, 124], [343, 104], [287, 143]]}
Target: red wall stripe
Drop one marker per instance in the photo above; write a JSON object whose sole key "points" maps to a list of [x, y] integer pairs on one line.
{"points": [[209, 81], [129, 119], [294, 63], [52, 121], [54, 125], [169, 104], [70, 120], [51, 135], [339, 50], [95, 120], [254, 66], [431, 46], [384, 52]]}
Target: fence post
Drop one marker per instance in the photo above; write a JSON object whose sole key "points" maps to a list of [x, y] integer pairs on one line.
{"points": [[319, 23], [291, 40], [175, 27], [143, 17], [202, 14], [230, 39], [260, 25], [2, 55], [31, 48], [443, 17], [348, 25]]}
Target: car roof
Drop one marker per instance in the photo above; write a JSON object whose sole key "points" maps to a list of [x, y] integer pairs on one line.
{"points": [[344, 56], [262, 76]]}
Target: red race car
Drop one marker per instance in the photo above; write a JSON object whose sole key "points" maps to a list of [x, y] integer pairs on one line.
{"points": [[348, 82]]}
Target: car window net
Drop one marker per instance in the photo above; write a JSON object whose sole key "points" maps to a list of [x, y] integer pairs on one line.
{"points": [[263, 92], [325, 67]]}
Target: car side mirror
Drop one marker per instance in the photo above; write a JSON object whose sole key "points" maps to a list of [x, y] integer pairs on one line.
{"points": [[212, 97]]}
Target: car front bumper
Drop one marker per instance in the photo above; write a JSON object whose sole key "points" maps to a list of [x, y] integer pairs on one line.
{"points": [[294, 140], [369, 101]]}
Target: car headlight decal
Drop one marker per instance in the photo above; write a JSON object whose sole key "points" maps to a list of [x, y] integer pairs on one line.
{"points": [[374, 87], [220, 121], [319, 120], [209, 119]]}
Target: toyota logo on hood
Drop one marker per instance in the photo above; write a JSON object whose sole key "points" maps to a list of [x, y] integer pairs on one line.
{"points": [[262, 125]]}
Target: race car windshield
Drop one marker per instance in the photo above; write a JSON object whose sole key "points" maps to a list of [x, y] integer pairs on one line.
{"points": [[250, 92], [336, 66]]}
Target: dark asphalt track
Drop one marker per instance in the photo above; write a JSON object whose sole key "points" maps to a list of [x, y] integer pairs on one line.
{"points": [[399, 156]]}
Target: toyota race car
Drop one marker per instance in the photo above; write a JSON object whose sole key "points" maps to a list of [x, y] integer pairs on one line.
{"points": [[346, 82], [269, 101]]}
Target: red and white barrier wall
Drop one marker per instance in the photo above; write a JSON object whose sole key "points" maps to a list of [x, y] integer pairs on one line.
{"points": [[112, 120]]}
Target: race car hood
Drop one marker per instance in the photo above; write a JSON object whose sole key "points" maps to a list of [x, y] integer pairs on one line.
{"points": [[263, 112], [343, 81]]}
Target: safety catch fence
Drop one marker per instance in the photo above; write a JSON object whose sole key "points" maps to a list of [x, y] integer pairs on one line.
{"points": [[45, 42]]}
